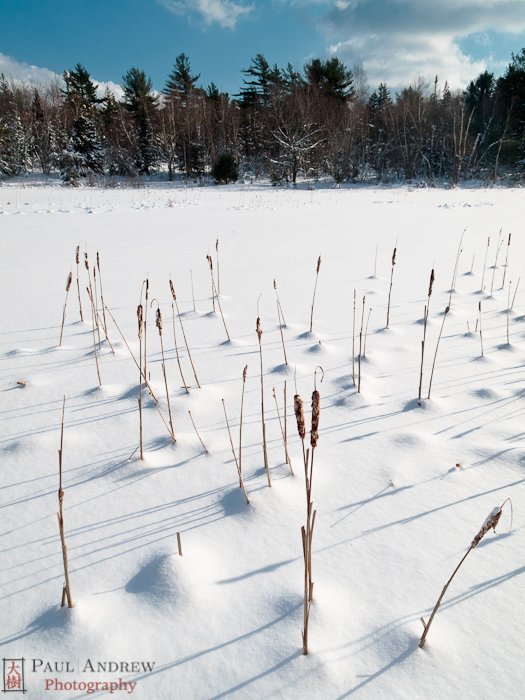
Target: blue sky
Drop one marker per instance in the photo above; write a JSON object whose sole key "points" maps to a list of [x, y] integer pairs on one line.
{"points": [[394, 40]]}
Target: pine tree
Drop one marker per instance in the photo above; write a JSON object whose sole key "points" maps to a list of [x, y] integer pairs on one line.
{"points": [[180, 83], [141, 102]]}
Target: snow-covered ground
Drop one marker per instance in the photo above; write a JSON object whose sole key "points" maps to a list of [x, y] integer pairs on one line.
{"points": [[395, 513]]}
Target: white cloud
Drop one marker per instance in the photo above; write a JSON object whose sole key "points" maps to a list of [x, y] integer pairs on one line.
{"points": [[225, 13], [398, 41], [19, 71]]}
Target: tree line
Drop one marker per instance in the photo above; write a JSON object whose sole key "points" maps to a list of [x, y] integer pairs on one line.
{"points": [[283, 124]]}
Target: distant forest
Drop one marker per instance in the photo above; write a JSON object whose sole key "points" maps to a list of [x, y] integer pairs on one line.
{"points": [[283, 125]]}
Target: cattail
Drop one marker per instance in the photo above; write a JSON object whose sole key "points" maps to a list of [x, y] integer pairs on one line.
{"points": [[259, 331], [140, 328], [77, 260], [172, 289], [68, 287], [66, 590], [490, 524], [315, 289], [390, 289], [506, 262], [316, 410], [436, 352], [298, 405], [158, 323]]}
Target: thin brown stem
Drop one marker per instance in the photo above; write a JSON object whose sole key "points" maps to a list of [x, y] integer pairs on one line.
{"points": [[241, 480], [197, 432]]}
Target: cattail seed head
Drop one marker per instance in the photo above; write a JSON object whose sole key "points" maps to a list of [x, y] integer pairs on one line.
{"points": [[431, 283], [210, 261], [147, 289], [318, 265], [98, 262], [508, 242], [299, 415], [274, 284], [244, 372], [258, 328], [172, 288], [139, 319], [489, 524], [68, 283], [158, 321], [447, 310], [394, 257], [316, 410], [86, 261], [217, 245], [77, 254]]}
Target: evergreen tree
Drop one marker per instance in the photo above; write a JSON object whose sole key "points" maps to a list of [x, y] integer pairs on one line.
{"points": [[141, 103], [330, 77], [180, 82]]}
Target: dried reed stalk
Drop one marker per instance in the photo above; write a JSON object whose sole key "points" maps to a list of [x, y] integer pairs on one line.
{"points": [[102, 297], [192, 291], [172, 289], [146, 330], [210, 265], [366, 331], [286, 456], [146, 382], [244, 372], [66, 590], [480, 329], [259, 331], [353, 341], [241, 480], [455, 272], [506, 262], [315, 290], [68, 287], [279, 307], [437, 347], [197, 432], [140, 328], [390, 288], [498, 248], [360, 346], [218, 268], [489, 524], [177, 349], [88, 289], [158, 323], [515, 292], [77, 260], [95, 303], [485, 265], [280, 324], [425, 321], [508, 315]]}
